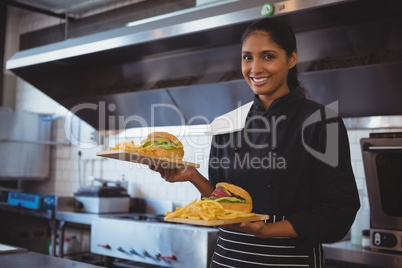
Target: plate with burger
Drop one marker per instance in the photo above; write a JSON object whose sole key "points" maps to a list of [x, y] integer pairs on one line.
{"points": [[158, 149], [228, 204]]}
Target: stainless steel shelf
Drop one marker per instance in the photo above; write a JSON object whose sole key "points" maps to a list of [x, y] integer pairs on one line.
{"points": [[346, 252]]}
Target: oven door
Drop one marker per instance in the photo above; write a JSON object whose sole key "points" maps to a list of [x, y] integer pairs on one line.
{"points": [[382, 159]]}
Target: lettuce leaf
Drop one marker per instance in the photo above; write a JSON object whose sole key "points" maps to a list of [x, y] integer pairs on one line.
{"points": [[162, 143], [228, 199]]}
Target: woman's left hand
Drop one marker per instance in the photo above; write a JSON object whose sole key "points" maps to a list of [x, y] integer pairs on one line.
{"points": [[255, 228], [265, 230]]}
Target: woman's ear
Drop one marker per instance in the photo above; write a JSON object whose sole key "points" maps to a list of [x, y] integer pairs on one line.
{"points": [[293, 59]]}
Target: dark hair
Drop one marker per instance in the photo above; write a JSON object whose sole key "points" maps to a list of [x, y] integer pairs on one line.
{"points": [[282, 34]]}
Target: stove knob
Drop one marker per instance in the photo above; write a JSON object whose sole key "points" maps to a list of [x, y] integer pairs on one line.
{"points": [[132, 251], [146, 254], [122, 250], [106, 246], [167, 259]]}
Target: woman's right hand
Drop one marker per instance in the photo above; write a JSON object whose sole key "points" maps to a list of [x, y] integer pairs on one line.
{"points": [[174, 174], [186, 174]]}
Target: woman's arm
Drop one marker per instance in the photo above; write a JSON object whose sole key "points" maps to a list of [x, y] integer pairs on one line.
{"points": [[189, 174], [266, 230]]}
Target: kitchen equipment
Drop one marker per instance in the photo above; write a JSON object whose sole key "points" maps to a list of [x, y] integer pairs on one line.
{"points": [[24, 145], [147, 238], [32, 200], [257, 217], [382, 158], [145, 159], [103, 199]]}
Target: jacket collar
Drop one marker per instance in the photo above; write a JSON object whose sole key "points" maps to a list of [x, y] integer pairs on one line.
{"points": [[235, 120]]}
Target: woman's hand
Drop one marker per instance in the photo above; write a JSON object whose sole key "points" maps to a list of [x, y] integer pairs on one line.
{"points": [[174, 174], [186, 174], [266, 230], [255, 228]]}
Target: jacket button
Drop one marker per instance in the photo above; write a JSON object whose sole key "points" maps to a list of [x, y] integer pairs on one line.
{"points": [[237, 149], [269, 186], [274, 149]]}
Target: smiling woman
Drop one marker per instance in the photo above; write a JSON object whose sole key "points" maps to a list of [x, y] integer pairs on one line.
{"points": [[309, 201], [269, 62]]}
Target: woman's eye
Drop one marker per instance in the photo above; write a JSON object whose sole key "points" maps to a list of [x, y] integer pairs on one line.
{"points": [[246, 57], [268, 57]]}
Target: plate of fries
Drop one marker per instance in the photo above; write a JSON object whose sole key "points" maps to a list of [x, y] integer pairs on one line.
{"points": [[210, 213], [128, 151]]}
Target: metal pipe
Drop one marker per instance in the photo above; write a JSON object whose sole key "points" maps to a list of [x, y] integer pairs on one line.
{"points": [[3, 23]]}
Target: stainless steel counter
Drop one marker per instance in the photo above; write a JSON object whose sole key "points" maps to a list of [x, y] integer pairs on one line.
{"points": [[36, 260], [76, 217], [348, 253]]}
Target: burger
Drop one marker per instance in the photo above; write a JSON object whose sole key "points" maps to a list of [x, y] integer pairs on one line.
{"points": [[164, 144], [232, 197]]}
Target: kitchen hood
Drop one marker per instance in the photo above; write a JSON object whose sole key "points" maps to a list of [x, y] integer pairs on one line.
{"points": [[184, 67]]}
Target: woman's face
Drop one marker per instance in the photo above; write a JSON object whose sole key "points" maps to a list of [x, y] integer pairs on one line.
{"points": [[265, 66]]}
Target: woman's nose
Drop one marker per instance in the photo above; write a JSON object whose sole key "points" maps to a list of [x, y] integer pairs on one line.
{"points": [[256, 67]]}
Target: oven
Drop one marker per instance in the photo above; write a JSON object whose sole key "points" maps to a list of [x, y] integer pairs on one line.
{"points": [[382, 160], [146, 240]]}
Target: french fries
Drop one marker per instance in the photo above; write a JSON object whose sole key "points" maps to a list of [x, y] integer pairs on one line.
{"points": [[133, 147], [206, 210]]}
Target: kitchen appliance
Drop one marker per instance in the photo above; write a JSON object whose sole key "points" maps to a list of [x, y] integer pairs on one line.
{"points": [[147, 238], [32, 200], [382, 159], [102, 199], [24, 145]]}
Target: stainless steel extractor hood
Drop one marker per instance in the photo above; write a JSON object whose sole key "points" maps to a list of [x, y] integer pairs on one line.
{"points": [[184, 67]]}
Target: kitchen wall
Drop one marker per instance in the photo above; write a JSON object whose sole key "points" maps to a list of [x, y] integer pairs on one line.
{"points": [[69, 170]]}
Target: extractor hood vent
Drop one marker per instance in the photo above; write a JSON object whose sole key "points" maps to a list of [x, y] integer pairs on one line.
{"points": [[329, 63], [177, 82], [184, 68]]}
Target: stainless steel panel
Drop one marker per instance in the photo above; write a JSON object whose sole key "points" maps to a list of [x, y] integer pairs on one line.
{"points": [[360, 91], [347, 252], [24, 148], [143, 241]]}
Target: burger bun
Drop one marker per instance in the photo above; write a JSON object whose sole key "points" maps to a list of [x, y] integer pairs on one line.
{"points": [[242, 207], [175, 153]]}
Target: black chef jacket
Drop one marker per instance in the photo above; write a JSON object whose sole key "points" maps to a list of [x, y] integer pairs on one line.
{"points": [[273, 158]]}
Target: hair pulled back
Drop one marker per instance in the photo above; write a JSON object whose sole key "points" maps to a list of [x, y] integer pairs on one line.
{"points": [[282, 34]]}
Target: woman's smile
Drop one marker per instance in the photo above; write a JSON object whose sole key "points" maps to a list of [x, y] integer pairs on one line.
{"points": [[259, 81]]}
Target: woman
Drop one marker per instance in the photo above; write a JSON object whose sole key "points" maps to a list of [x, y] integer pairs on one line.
{"points": [[283, 155]]}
